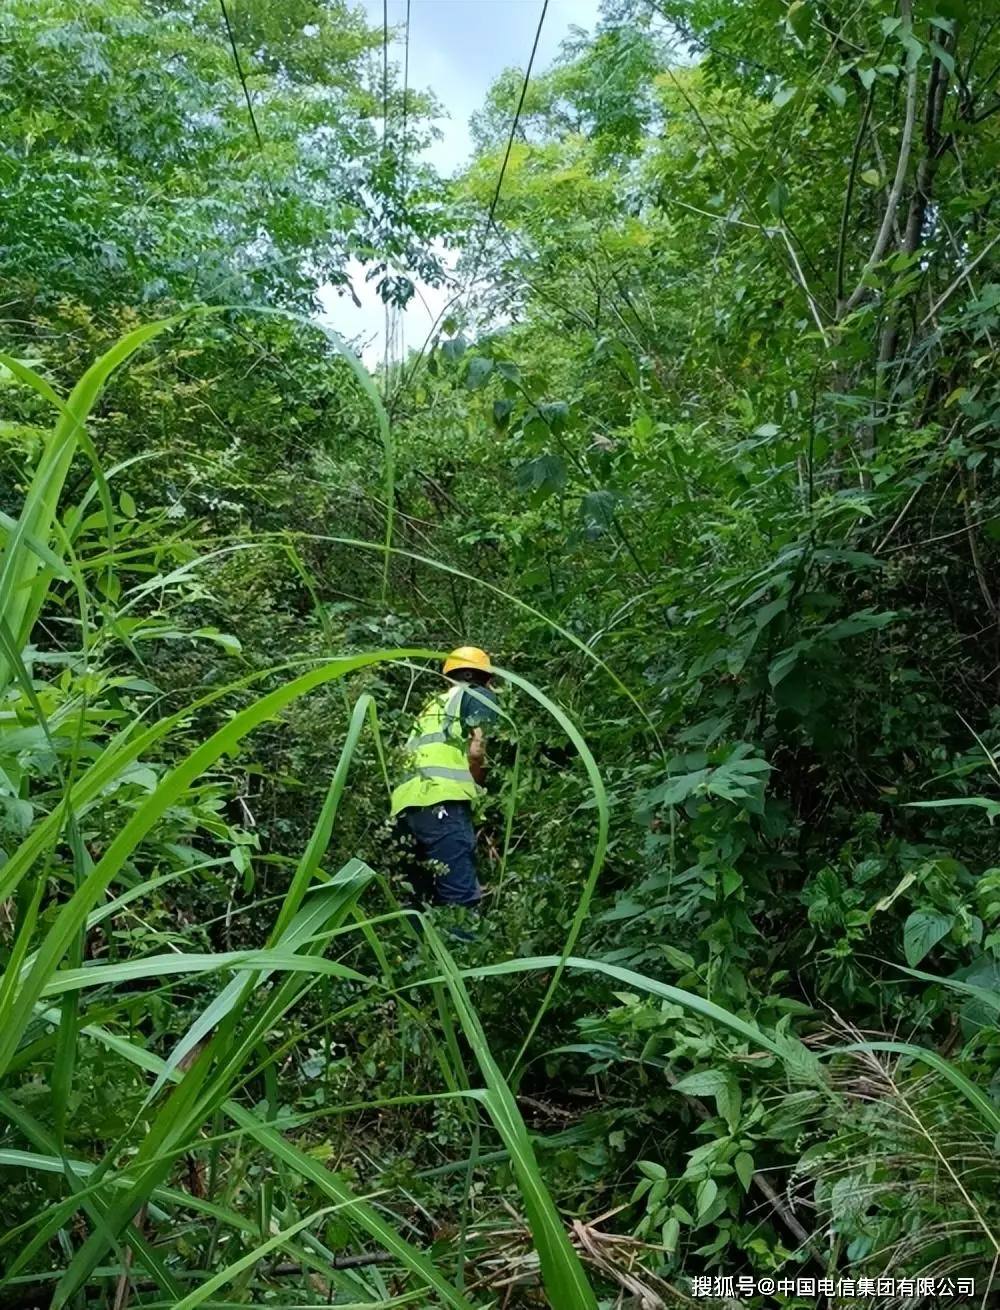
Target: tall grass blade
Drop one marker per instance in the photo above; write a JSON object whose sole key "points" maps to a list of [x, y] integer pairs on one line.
{"points": [[20, 599], [322, 904], [291, 928], [192, 964], [171, 788], [320, 837], [359, 1210], [797, 1058], [566, 1283], [988, 1112], [251, 1258]]}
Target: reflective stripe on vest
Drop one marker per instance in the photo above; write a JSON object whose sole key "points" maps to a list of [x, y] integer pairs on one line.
{"points": [[437, 769], [428, 739]]}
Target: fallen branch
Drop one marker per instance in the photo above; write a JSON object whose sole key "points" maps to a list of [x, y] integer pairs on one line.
{"points": [[359, 1261]]}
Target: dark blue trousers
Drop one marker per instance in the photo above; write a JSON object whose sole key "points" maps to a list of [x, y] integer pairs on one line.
{"points": [[442, 835]]}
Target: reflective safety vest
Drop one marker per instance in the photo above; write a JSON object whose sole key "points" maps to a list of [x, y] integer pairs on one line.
{"points": [[438, 769]]}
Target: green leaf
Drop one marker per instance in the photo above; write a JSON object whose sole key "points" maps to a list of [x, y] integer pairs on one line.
{"points": [[546, 473], [127, 505], [783, 663], [454, 349], [705, 1083], [678, 958], [502, 409], [922, 931], [836, 93], [777, 198], [650, 1169], [872, 177], [867, 77], [914, 49], [984, 996], [862, 621], [991, 807], [743, 1164], [478, 373], [849, 1199], [189, 964], [224, 639], [555, 414], [729, 1103], [671, 1233], [770, 611], [597, 509], [614, 349], [706, 1194], [943, 55]]}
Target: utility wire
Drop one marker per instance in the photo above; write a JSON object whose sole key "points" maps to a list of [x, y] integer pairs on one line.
{"points": [[399, 326], [406, 89], [242, 77], [470, 281], [513, 132], [385, 69], [386, 357]]}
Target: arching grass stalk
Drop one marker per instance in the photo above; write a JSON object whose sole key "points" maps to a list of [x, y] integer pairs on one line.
{"points": [[280, 540], [566, 1284]]}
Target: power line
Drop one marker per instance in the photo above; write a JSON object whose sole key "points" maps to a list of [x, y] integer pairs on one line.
{"points": [[385, 151], [513, 129], [385, 70], [243, 80], [493, 203], [406, 90], [399, 324]]}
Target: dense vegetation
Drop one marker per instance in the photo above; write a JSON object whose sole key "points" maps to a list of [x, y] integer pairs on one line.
{"points": [[707, 453]]}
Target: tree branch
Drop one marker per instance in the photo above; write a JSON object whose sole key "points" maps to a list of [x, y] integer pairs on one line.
{"points": [[849, 196], [902, 163], [953, 287]]}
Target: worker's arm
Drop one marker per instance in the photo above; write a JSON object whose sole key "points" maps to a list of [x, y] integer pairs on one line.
{"points": [[477, 756], [478, 707]]}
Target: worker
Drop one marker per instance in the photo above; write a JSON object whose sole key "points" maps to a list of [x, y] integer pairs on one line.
{"points": [[446, 768]]}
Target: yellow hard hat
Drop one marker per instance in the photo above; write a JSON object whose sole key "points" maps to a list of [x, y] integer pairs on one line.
{"points": [[468, 657]]}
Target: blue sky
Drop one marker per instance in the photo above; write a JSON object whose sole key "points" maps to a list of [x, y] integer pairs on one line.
{"points": [[457, 48]]}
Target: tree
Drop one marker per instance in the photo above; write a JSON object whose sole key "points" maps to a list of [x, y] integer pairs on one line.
{"points": [[136, 170]]}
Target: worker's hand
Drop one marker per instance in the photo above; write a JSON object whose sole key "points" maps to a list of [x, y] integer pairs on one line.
{"points": [[477, 756], [477, 746]]}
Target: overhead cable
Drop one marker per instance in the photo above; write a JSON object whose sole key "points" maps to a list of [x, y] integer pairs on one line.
{"points": [[470, 281], [513, 130], [241, 75]]}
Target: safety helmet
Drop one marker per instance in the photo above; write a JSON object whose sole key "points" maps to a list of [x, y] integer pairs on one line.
{"points": [[468, 657]]}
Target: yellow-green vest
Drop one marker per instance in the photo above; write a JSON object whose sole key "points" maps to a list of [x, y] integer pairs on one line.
{"points": [[437, 766]]}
